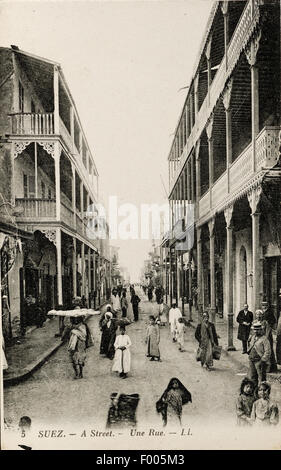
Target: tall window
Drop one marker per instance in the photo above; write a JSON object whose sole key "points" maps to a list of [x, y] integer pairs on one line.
{"points": [[21, 98], [43, 189], [29, 186]]}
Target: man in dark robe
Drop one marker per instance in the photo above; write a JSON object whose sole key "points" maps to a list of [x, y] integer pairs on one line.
{"points": [[135, 300], [245, 320]]}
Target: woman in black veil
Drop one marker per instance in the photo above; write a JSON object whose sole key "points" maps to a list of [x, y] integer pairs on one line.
{"points": [[171, 402]]}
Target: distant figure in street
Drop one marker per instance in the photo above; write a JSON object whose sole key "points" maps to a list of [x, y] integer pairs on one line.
{"points": [[259, 354], [122, 358], [268, 315], [245, 401], [264, 412], [245, 320], [119, 290], [180, 334], [108, 328], [162, 314], [150, 293], [158, 294], [116, 302], [171, 402], [124, 304], [174, 315], [153, 339], [267, 331], [135, 300], [207, 337]]}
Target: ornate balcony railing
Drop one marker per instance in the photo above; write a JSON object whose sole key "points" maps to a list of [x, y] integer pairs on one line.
{"points": [[36, 208], [32, 123], [219, 190], [204, 204], [241, 168], [65, 135], [67, 214], [267, 147]]}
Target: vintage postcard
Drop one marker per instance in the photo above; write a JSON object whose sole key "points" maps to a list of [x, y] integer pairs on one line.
{"points": [[140, 233]]}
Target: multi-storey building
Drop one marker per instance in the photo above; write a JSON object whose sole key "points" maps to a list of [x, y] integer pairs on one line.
{"points": [[225, 163], [51, 182]]}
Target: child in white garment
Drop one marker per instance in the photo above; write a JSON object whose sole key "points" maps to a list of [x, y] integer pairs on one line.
{"points": [[180, 334]]}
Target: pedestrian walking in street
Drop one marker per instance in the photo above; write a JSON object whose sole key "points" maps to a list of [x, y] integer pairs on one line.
{"points": [[174, 315], [171, 402], [207, 338], [124, 304], [162, 314], [267, 331], [77, 346], [150, 293], [180, 334], [108, 327], [245, 320], [158, 294], [264, 411], [115, 299], [135, 300], [245, 401], [259, 354], [153, 339], [122, 358]]}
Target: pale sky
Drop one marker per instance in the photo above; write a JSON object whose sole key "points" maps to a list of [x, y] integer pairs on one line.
{"points": [[124, 63]]}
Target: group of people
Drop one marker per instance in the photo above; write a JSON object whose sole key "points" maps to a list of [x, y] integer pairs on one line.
{"points": [[120, 302]]}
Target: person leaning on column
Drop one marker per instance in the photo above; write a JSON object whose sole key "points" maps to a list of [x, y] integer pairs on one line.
{"points": [[245, 320], [259, 354]]}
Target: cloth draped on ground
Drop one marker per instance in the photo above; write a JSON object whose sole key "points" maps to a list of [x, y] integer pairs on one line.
{"points": [[153, 339], [122, 358], [265, 412], [77, 344], [207, 337], [171, 402], [123, 413], [108, 337]]}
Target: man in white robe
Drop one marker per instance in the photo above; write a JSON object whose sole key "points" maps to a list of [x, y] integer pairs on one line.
{"points": [[174, 315], [116, 302], [122, 358]]}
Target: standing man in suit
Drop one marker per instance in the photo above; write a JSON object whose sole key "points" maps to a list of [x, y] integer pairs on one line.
{"points": [[245, 320]]}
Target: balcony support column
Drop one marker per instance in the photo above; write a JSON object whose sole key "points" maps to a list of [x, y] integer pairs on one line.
{"points": [[209, 69], [209, 131], [56, 101], [83, 267], [251, 54], [59, 266], [74, 268], [73, 194], [196, 97], [57, 153], [198, 177], [211, 226], [229, 277], [228, 125], [254, 199], [224, 9], [199, 274]]}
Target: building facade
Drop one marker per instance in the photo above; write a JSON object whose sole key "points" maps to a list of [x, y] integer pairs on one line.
{"points": [[50, 181], [224, 247]]}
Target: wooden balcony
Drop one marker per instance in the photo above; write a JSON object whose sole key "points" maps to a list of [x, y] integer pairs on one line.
{"points": [[39, 210], [242, 170], [32, 123]]}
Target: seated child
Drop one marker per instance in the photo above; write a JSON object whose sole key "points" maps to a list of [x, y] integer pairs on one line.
{"points": [[245, 401], [264, 411]]}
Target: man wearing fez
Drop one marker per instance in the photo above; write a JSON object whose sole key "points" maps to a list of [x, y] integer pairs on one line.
{"points": [[245, 320]]}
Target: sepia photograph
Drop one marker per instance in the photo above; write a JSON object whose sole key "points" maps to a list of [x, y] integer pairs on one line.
{"points": [[140, 226]]}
